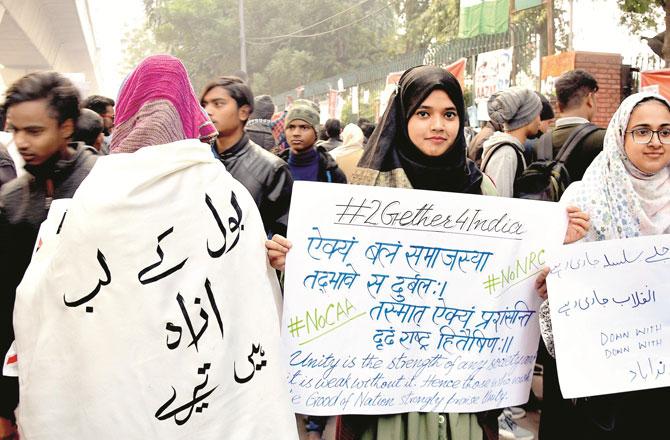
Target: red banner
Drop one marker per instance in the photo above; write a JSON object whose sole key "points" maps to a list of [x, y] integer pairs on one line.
{"points": [[458, 70], [657, 81]]}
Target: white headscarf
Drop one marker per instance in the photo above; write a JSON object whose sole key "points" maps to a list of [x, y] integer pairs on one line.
{"points": [[622, 200], [352, 141], [352, 136]]}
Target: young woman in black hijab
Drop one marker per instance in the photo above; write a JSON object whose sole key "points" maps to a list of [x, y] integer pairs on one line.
{"points": [[419, 142]]}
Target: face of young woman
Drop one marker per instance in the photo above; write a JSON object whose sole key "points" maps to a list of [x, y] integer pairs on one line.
{"points": [[433, 127], [653, 156]]}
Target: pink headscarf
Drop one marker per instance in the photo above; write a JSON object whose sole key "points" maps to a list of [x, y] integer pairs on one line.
{"points": [[157, 105]]}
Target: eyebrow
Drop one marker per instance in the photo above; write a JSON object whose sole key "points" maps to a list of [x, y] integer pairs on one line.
{"points": [[27, 127], [427, 107], [205, 101], [645, 125]]}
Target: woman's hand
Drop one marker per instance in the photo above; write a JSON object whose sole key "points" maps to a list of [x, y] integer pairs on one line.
{"points": [[277, 248], [541, 283], [578, 225]]}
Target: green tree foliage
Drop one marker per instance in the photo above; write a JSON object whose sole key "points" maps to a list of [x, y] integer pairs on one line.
{"points": [[643, 16], [293, 43], [425, 22], [138, 45], [281, 53]]}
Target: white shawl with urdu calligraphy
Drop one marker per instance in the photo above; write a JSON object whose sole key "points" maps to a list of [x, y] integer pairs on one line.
{"points": [[153, 313]]}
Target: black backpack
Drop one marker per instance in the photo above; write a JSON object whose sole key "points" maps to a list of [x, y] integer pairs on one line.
{"points": [[545, 179]]}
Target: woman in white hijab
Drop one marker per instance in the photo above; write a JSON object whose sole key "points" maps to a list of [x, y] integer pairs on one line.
{"points": [[349, 153], [626, 192]]}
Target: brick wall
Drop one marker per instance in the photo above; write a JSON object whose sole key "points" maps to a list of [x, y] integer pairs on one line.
{"points": [[606, 68]]}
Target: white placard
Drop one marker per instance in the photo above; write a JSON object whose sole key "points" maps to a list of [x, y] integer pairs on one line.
{"points": [[609, 303], [154, 312], [403, 300]]}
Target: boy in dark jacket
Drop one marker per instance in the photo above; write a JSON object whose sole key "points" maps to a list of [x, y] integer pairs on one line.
{"points": [[306, 161], [229, 101], [312, 163], [42, 109]]}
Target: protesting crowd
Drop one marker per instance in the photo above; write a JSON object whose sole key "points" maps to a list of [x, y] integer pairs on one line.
{"points": [[163, 162]]}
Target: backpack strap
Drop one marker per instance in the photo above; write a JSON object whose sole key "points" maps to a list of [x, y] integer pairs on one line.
{"points": [[545, 146], [519, 158], [575, 138]]}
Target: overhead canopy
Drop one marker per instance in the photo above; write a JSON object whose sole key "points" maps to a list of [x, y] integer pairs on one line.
{"points": [[48, 35]]}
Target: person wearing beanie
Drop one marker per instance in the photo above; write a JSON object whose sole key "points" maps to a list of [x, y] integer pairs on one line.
{"points": [[518, 111], [305, 159], [229, 101], [311, 163], [259, 125]]}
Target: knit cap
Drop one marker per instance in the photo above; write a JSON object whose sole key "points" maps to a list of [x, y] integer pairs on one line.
{"points": [[305, 111], [264, 108], [514, 107]]}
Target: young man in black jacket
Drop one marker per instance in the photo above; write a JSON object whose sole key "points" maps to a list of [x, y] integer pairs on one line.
{"points": [[307, 161], [42, 109], [229, 102]]}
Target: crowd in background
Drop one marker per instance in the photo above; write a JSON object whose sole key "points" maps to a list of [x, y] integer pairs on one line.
{"points": [[614, 182]]}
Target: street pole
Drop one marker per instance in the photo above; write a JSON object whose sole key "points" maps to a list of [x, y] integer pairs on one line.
{"points": [[550, 27], [572, 19], [243, 40]]}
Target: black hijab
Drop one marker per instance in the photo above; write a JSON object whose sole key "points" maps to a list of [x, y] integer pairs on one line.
{"points": [[389, 146]]}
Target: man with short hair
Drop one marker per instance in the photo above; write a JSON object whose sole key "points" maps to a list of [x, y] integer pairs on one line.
{"points": [[229, 101], [306, 160], [576, 93], [333, 130], [105, 108], [42, 109], [89, 129]]}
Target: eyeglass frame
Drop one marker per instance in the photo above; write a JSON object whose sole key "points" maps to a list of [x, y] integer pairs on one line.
{"points": [[653, 132]]}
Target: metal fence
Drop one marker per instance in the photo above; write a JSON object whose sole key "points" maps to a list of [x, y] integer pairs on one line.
{"points": [[526, 43]]}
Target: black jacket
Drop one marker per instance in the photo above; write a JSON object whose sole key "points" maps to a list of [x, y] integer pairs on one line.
{"points": [[585, 152], [266, 177], [328, 169], [260, 132]]}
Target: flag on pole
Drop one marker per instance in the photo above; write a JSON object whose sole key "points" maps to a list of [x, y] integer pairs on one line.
{"points": [[483, 17]]}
